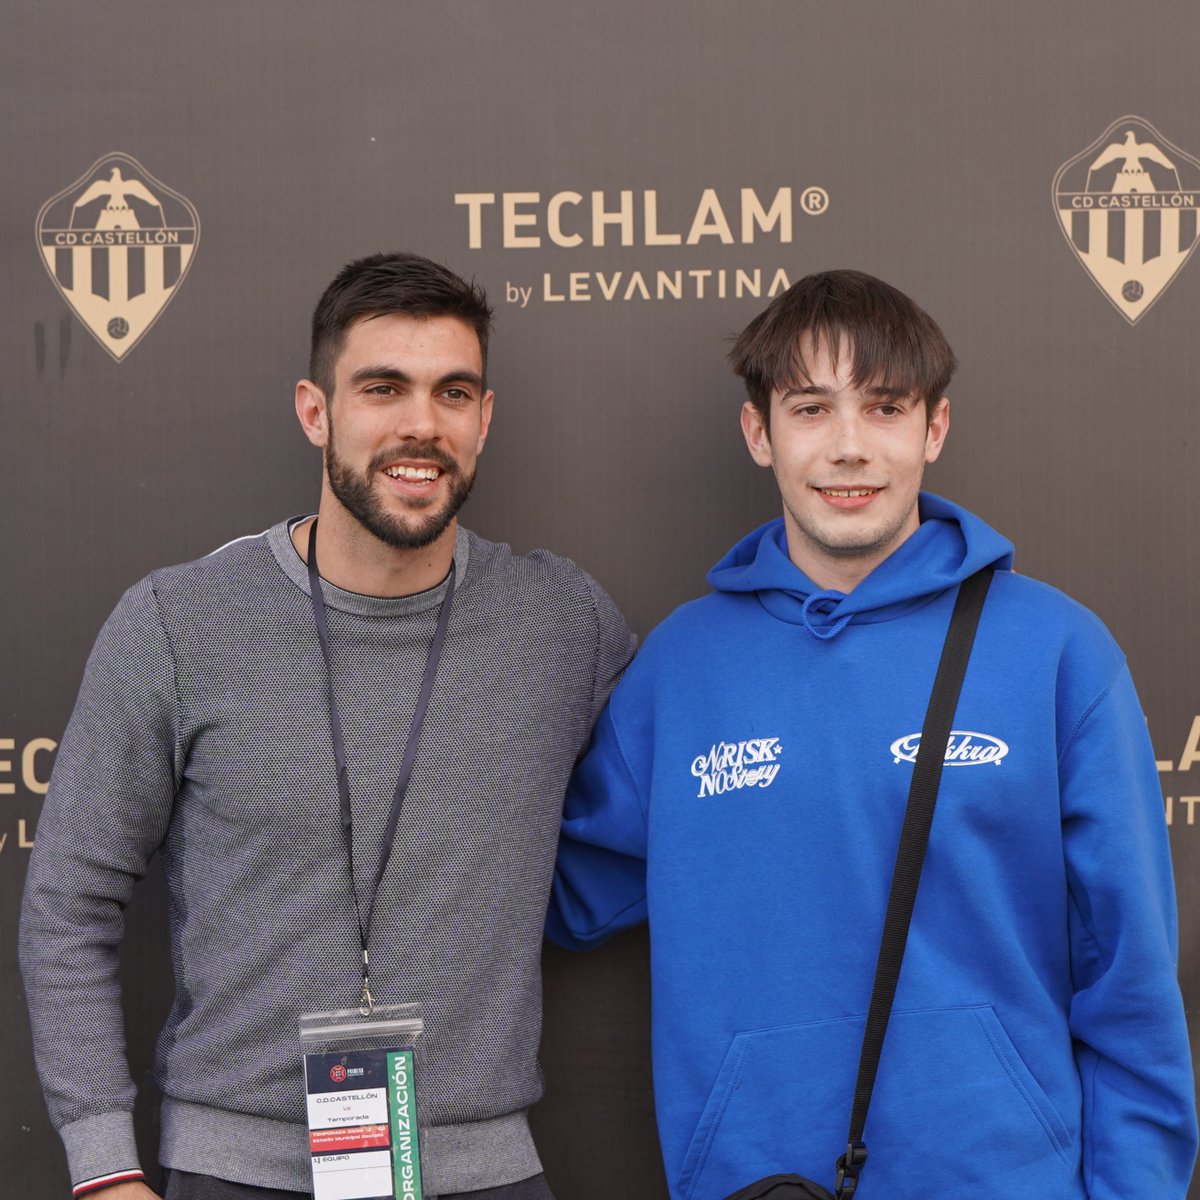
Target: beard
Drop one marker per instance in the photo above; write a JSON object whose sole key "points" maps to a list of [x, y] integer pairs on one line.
{"points": [[359, 497]]}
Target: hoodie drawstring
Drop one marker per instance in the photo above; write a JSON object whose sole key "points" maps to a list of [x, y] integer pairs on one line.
{"points": [[829, 599]]}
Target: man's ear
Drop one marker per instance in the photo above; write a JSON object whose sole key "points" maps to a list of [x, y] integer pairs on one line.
{"points": [[758, 438], [938, 427], [312, 410], [485, 419]]}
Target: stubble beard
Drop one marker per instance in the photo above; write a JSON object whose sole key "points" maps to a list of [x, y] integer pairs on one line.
{"points": [[851, 546], [359, 497]]}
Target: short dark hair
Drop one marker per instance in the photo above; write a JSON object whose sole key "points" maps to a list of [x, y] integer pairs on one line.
{"points": [[391, 283], [895, 343]]}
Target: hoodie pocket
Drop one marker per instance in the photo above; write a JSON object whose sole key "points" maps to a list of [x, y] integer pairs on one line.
{"points": [[952, 1095]]}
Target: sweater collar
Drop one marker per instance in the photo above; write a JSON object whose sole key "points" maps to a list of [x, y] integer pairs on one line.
{"points": [[279, 538]]}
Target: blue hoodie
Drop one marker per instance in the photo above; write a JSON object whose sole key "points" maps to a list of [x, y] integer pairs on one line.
{"points": [[744, 791]]}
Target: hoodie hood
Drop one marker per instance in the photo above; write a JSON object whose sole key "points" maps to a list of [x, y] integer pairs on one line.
{"points": [[949, 545]]}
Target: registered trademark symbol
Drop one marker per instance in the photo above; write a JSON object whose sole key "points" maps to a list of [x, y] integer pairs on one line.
{"points": [[814, 201]]}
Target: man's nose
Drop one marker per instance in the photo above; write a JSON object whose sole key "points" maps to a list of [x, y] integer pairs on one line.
{"points": [[848, 443], [417, 417]]}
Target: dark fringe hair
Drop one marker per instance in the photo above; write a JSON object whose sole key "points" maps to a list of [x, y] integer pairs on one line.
{"points": [[894, 343]]}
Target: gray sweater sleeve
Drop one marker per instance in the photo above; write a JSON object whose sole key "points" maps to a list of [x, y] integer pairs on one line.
{"points": [[615, 645], [106, 813]]}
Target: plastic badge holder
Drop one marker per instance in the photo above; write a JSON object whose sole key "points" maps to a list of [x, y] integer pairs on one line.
{"points": [[365, 1118]]}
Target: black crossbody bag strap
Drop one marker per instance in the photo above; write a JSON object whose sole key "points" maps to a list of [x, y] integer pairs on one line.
{"points": [[910, 856]]}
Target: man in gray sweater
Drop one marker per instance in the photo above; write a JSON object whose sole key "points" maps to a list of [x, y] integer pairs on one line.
{"points": [[216, 708]]}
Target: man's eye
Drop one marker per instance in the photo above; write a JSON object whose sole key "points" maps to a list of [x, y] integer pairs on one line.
{"points": [[457, 394], [381, 389]]}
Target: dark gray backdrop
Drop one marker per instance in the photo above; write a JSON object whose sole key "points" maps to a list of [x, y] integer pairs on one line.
{"points": [[307, 133]]}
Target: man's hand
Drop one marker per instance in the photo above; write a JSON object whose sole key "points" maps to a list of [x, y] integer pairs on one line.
{"points": [[131, 1189]]}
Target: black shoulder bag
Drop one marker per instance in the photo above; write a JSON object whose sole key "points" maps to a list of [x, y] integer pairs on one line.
{"points": [[914, 837]]}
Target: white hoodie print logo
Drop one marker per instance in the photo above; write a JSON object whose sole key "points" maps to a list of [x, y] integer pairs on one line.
{"points": [[965, 748], [729, 766]]}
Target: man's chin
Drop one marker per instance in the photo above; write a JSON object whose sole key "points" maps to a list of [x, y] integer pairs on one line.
{"points": [[864, 547], [848, 544], [412, 534], [401, 522]]}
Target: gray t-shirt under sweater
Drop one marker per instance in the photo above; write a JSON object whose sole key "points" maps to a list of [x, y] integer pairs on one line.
{"points": [[202, 733]]}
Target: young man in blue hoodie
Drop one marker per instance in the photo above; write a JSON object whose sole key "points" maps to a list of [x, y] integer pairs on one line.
{"points": [[745, 788]]}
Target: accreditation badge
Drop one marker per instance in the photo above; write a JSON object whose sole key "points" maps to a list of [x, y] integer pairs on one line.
{"points": [[364, 1119]]}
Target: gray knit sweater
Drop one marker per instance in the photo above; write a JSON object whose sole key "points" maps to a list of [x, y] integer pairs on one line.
{"points": [[202, 732]]}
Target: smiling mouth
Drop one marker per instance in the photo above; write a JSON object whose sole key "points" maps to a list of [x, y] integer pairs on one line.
{"points": [[413, 474], [848, 493]]}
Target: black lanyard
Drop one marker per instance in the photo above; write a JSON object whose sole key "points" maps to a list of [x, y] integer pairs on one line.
{"points": [[367, 1001]]}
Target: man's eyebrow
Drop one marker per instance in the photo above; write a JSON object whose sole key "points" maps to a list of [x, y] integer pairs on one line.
{"points": [[877, 391], [807, 389], [390, 374], [466, 375]]}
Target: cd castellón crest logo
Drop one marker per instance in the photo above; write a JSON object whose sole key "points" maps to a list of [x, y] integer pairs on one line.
{"points": [[118, 243], [1127, 207]]}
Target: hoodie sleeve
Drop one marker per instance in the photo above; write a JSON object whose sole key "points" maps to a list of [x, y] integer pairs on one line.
{"points": [[110, 799], [600, 879], [1127, 1018]]}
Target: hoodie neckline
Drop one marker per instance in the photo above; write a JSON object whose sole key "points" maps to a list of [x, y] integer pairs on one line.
{"points": [[949, 544]]}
